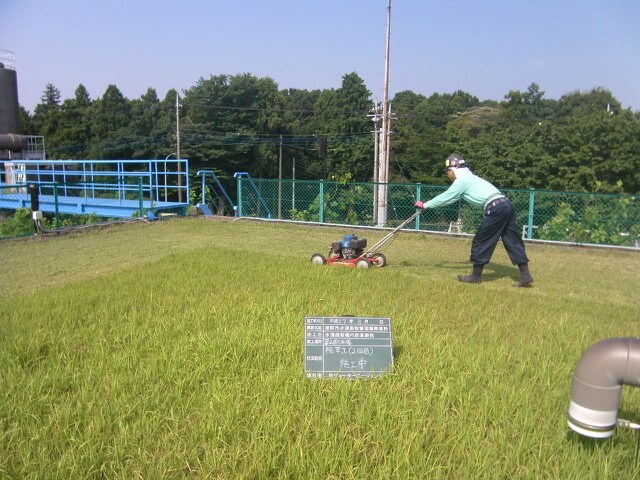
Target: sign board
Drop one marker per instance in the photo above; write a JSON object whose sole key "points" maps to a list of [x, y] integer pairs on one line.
{"points": [[348, 347]]}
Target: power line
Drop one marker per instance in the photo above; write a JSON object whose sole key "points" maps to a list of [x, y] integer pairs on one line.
{"points": [[194, 104]]}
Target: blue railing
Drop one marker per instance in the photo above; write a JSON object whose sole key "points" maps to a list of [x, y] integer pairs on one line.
{"points": [[253, 204], [108, 188], [214, 196]]}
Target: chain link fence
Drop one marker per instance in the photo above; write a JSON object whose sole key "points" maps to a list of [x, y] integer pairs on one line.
{"points": [[578, 218], [569, 217]]}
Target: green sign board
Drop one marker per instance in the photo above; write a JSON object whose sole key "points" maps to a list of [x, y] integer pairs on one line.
{"points": [[348, 347]]}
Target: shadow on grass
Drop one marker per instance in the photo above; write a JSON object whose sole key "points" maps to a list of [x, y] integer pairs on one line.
{"points": [[587, 443], [491, 272], [496, 272], [413, 263], [604, 446], [397, 352]]}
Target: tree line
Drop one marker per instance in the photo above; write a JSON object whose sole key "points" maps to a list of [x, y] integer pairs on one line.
{"points": [[584, 141]]}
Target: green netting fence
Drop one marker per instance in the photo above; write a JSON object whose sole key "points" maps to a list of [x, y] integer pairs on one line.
{"points": [[583, 218]]}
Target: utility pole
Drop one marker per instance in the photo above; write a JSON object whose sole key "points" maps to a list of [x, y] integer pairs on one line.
{"points": [[178, 147], [383, 166], [375, 117]]}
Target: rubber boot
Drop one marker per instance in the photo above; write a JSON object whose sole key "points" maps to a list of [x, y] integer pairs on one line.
{"points": [[475, 277], [526, 280]]}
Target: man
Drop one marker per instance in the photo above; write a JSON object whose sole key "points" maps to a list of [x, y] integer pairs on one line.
{"points": [[499, 219]]}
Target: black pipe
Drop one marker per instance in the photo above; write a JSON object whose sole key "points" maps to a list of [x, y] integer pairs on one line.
{"points": [[35, 197]]}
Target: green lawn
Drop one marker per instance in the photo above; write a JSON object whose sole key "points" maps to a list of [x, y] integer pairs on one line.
{"points": [[175, 349]]}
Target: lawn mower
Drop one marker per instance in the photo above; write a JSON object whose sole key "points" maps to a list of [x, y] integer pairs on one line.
{"points": [[350, 251]]}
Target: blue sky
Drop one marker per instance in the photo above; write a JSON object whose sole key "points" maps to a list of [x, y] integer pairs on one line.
{"points": [[485, 48]]}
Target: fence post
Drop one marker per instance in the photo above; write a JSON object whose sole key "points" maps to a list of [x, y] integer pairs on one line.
{"points": [[239, 212], [55, 204], [140, 199], [418, 197], [532, 201], [204, 186], [321, 206]]}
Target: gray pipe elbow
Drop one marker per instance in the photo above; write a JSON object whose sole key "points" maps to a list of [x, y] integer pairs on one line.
{"points": [[596, 387]]}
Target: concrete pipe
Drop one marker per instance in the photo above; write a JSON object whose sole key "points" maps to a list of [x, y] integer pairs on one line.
{"points": [[597, 385]]}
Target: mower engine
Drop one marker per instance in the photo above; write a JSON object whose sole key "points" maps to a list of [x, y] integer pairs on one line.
{"points": [[349, 247]]}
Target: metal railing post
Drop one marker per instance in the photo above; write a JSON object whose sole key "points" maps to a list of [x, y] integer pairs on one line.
{"points": [[321, 206], [418, 197], [532, 198], [140, 198], [204, 186], [55, 204], [239, 195], [186, 179]]}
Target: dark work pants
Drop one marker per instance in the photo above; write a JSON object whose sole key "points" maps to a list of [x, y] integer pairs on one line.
{"points": [[499, 221]]}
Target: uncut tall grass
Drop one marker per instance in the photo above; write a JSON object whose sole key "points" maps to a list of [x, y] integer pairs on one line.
{"points": [[175, 350]]}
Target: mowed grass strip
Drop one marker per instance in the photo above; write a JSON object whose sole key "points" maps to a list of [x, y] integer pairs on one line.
{"points": [[175, 349]]}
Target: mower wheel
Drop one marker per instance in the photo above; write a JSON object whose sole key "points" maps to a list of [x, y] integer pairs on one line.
{"points": [[363, 263], [318, 259], [378, 259]]}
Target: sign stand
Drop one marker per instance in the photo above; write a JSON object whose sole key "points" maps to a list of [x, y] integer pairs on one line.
{"points": [[636, 427]]}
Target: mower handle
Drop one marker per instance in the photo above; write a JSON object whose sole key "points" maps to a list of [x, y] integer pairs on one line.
{"points": [[392, 233]]}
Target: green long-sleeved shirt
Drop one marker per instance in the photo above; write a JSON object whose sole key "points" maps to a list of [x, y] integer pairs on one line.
{"points": [[470, 188]]}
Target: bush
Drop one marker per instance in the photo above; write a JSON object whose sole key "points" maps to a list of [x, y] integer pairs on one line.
{"points": [[21, 224], [18, 225], [603, 223]]}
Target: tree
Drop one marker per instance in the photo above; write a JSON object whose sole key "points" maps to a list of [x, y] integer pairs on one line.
{"points": [[298, 109], [596, 151], [596, 100], [301, 141], [348, 129], [527, 107], [73, 136], [46, 113], [231, 123], [145, 115], [340, 116], [474, 121], [111, 136], [405, 142], [511, 157], [163, 131], [430, 143], [25, 123], [585, 141]]}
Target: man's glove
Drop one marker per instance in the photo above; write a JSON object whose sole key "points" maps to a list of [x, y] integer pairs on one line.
{"points": [[420, 205]]}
